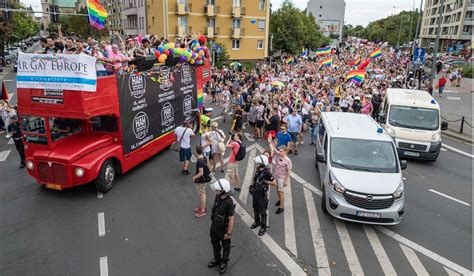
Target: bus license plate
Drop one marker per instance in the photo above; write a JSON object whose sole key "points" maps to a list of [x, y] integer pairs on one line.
{"points": [[368, 215], [410, 153], [54, 186]]}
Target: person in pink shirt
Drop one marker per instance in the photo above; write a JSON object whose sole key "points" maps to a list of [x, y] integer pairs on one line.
{"points": [[116, 57], [367, 106], [233, 166], [281, 171]]}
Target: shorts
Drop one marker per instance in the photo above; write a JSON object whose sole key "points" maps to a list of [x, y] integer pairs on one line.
{"points": [[280, 185], [252, 123], [201, 188], [260, 123], [294, 136], [185, 154], [232, 169]]}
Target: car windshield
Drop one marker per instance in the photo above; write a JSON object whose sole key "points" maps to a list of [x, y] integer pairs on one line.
{"points": [[363, 155], [414, 117]]}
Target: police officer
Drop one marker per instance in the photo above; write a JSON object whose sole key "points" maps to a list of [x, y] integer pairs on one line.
{"points": [[259, 190], [14, 129], [206, 119], [222, 224]]}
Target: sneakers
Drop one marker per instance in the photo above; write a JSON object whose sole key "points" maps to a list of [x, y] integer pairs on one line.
{"points": [[296, 152], [279, 211], [237, 189], [200, 213], [213, 263], [262, 231], [277, 203], [2, 131], [184, 172], [223, 268], [8, 136], [254, 225]]}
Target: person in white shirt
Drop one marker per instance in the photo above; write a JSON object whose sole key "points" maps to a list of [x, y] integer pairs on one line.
{"points": [[225, 101], [183, 134]]}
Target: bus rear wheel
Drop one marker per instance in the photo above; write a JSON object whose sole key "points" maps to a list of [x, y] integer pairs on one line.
{"points": [[105, 180]]}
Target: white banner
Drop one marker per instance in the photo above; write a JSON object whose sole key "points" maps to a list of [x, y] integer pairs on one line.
{"points": [[64, 72]]}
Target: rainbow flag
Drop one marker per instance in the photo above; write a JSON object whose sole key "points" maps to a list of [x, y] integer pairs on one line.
{"points": [[323, 51], [356, 76], [326, 62], [97, 14], [356, 62], [289, 60], [376, 53], [304, 52]]}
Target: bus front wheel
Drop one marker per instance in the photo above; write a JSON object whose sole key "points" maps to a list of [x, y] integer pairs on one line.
{"points": [[105, 180]]}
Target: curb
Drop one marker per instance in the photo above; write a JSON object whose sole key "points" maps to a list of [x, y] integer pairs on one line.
{"points": [[457, 136]]}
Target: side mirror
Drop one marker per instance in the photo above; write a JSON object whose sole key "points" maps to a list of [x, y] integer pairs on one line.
{"points": [[321, 157], [403, 164], [382, 119], [444, 125]]}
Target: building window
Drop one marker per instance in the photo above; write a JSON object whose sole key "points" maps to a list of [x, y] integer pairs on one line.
{"points": [[259, 44], [236, 23], [153, 20], [211, 2], [261, 25], [235, 44], [235, 3], [261, 5], [210, 22]]}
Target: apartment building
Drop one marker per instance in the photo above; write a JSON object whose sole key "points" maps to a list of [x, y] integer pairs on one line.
{"points": [[329, 15], [64, 6], [134, 17], [456, 24], [114, 20], [241, 25]]}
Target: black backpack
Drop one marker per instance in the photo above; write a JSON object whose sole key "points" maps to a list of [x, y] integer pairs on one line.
{"points": [[207, 174], [241, 153]]}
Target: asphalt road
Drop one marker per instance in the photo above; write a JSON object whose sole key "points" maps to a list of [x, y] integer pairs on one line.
{"points": [[148, 226]]}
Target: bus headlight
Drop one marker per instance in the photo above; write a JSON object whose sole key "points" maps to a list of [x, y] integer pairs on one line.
{"points": [[435, 137], [79, 172], [29, 164], [399, 192]]}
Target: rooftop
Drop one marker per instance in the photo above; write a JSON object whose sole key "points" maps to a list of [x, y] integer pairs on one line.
{"points": [[406, 97], [352, 125]]}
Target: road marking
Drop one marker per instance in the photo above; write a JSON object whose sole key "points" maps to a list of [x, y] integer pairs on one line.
{"points": [[450, 272], [380, 253], [449, 197], [100, 195], [289, 222], [443, 149], [248, 177], [348, 247], [454, 98], [4, 155], [247, 135], [104, 268], [216, 118], [458, 151], [281, 254], [450, 91], [101, 219], [244, 127], [316, 234], [10, 142], [7, 80], [424, 251], [414, 260]]}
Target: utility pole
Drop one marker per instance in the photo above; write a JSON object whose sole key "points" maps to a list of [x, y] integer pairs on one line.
{"points": [[417, 41], [271, 48], [435, 53], [400, 30], [411, 21]]}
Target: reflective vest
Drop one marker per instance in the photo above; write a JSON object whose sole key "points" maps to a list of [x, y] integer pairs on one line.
{"points": [[205, 123]]}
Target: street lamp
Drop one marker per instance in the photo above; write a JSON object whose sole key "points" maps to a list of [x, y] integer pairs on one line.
{"points": [[400, 28]]}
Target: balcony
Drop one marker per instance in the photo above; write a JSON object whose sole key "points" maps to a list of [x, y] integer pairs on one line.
{"points": [[211, 10], [183, 8], [129, 10], [212, 32], [237, 11], [182, 31], [236, 33]]}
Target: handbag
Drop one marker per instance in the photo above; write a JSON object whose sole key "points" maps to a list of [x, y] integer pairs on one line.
{"points": [[177, 144], [220, 145]]}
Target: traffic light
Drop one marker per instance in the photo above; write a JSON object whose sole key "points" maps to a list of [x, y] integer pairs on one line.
{"points": [[54, 10]]}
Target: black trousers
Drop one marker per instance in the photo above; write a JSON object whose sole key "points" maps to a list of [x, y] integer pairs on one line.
{"points": [[21, 150], [260, 206], [218, 243]]}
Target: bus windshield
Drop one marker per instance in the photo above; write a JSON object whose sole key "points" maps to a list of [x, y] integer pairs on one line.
{"points": [[414, 117], [63, 127], [33, 129]]}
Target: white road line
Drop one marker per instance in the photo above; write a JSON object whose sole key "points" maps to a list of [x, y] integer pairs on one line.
{"points": [[414, 260], [101, 221], [281, 254], [289, 222], [450, 91], [104, 268], [247, 135], [216, 118], [424, 251], [449, 197], [7, 80], [306, 184], [4, 155], [318, 240], [349, 251], [443, 149], [10, 142], [458, 151], [248, 177], [100, 195], [450, 272], [454, 98], [380, 253]]}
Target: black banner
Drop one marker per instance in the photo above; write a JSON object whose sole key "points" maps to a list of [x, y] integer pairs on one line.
{"points": [[153, 106]]}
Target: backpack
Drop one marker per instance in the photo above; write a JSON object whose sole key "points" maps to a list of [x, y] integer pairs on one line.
{"points": [[207, 174], [240, 155]]}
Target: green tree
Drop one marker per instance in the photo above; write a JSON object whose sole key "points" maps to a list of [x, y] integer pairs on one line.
{"points": [[79, 25], [222, 58], [20, 27], [293, 29]]}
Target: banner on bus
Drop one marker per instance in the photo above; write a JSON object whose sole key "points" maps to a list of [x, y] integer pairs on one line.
{"points": [[61, 72], [150, 108]]}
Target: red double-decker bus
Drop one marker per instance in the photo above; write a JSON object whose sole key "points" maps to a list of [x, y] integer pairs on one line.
{"points": [[76, 137]]}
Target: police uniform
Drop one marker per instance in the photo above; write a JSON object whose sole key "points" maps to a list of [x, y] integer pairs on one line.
{"points": [[205, 120], [222, 209], [14, 128], [259, 190]]}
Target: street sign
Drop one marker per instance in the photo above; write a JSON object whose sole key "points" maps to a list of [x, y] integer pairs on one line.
{"points": [[461, 47], [218, 49], [450, 49], [419, 56]]}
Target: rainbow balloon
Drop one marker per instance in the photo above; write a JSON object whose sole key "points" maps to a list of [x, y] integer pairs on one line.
{"points": [[97, 14]]}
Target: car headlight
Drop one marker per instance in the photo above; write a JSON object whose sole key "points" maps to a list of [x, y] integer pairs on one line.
{"points": [[399, 192], [336, 186], [435, 137], [29, 164], [79, 172]]}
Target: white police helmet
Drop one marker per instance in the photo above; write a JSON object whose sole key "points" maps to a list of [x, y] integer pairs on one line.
{"points": [[221, 185], [261, 160]]}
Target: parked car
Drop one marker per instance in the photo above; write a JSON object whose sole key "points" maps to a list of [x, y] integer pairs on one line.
{"points": [[9, 58]]}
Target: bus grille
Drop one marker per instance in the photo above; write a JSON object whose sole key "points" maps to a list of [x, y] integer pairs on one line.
{"points": [[54, 173]]}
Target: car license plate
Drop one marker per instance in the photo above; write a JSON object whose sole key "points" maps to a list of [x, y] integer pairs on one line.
{"points": [[410, 153], [368, 215], [54, 186]]}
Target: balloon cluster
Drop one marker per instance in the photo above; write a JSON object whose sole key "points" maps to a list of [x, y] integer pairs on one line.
{"points": [[195, 55]]}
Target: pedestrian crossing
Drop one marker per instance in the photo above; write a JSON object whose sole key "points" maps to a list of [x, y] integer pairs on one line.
{"points": [[338, 247]]}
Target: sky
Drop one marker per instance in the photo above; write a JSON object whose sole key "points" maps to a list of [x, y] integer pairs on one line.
{"points": [[358, 12]]}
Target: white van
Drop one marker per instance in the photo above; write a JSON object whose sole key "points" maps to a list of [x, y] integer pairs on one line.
{"points": [[413, 119], [360, 172]]}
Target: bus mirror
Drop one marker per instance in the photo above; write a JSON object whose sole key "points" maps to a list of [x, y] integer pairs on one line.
{"points": [[444, 125], [382, 119]]}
